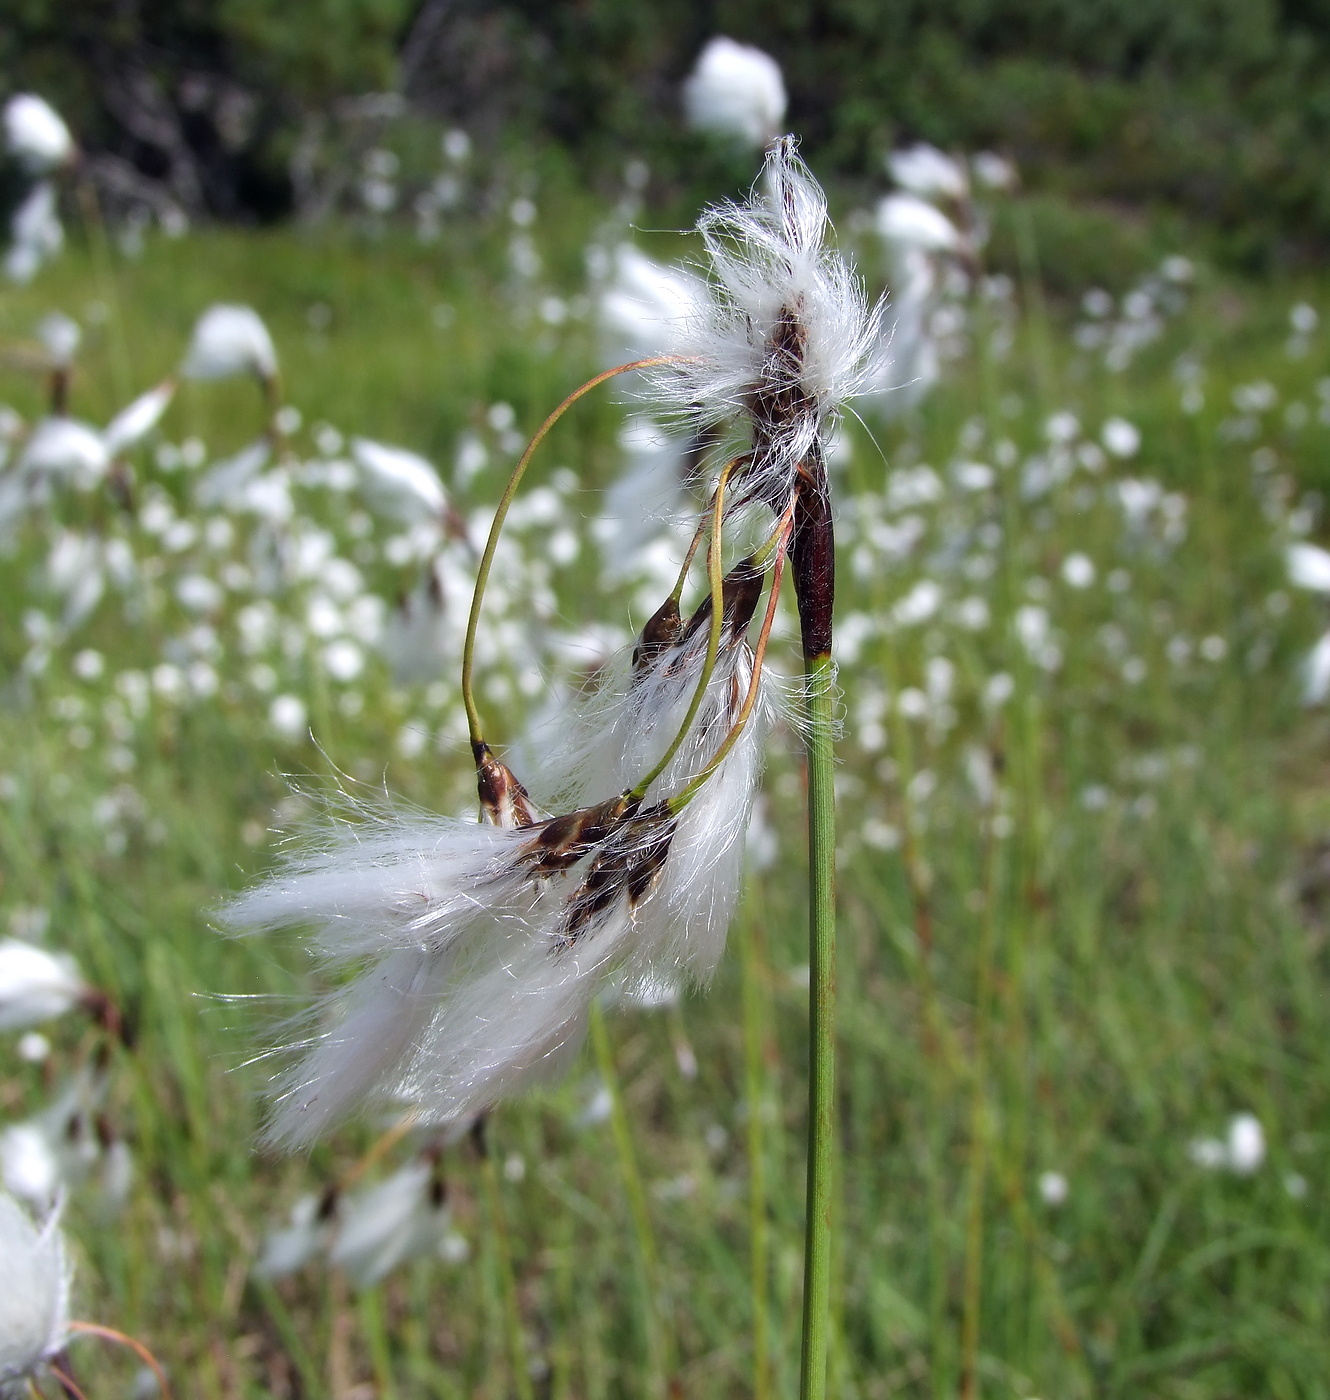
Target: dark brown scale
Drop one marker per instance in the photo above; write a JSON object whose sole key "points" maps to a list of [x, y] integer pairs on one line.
{"points": [[661, 632], [633, 867], [781, 398], [740, 591], [504, 801], [563, 841], [651, 861]]}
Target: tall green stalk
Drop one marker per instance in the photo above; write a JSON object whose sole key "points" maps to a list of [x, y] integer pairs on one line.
{"points": [[813, 566], [756, 1094], [819, 678]]}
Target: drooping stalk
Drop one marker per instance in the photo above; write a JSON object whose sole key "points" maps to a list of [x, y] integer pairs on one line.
{"points": [[813, 561], [496, 528]]}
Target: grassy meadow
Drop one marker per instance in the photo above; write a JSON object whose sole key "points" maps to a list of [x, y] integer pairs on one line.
{"points": [[1084, 893]]}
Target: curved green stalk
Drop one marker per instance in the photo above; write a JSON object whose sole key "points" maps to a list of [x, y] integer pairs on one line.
{"points": [[496, 528], [716, 576], [819, 675]]}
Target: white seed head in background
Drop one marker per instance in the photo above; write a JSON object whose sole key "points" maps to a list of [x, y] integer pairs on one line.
{"points": [[60, 336], [925, 171], [35, 134], [35, 1279], [36, 234], [398, 483], [35, 985], [229, 340], [136, 420], [735, 92]]}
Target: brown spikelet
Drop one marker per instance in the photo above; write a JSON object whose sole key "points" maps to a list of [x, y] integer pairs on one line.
{"points": [[741, 590], [630, 867], [564, 840], [661, 632], [503, 800]]}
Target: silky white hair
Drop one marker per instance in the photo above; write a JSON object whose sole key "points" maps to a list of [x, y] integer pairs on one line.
{"points": [[476, 953], [773, 279]]}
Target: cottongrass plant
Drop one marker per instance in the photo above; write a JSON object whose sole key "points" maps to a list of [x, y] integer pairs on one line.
{"points": [[482, 946]]}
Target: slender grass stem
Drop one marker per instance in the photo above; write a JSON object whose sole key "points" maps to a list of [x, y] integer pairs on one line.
{"points": [[658, 1349], [755, 1092], [979, 1133], [820, 692], [512, 1314]]}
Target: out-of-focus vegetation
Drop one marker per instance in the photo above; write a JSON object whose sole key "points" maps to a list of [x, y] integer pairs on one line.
{"points": [[1218, 109]]}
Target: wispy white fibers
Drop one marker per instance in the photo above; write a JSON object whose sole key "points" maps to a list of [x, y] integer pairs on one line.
{"points": [[35, 1278], [482, 947], [735, 92], [35, 232], [788, 326], [646, 306]]}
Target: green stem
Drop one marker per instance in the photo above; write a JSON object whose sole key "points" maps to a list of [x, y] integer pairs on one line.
{"points": [[755, 1093], [637, 1205], [512, 1314], [819, 679], [496, 528]]}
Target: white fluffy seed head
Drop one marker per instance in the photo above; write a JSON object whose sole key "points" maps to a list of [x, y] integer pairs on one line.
{"points": [[137, 419], [787, 334], [927, 172], [397, 482], [735, 92], [34, 1299], [229, 340], [479, 949], [66, 451], [35, 134], [35, 985], [35, 231]]}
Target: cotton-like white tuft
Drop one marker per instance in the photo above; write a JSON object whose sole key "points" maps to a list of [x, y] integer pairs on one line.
{"points": [[36, 234], [35, 1279], [225, 482], [397, 482], [60, 336], [66, 451], [35, 134], [787, 335], [904, 220], [136, 420], [646, 306], [480, 948], [1309, 567], [735, 92], [35, 985], [403, 1217], [286, 1250], [925, 171], [1316, 673], [229, 340]]}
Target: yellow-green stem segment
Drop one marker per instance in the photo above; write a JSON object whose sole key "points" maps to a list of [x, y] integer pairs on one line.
{"points": [[819, 678], [496, 528]]}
